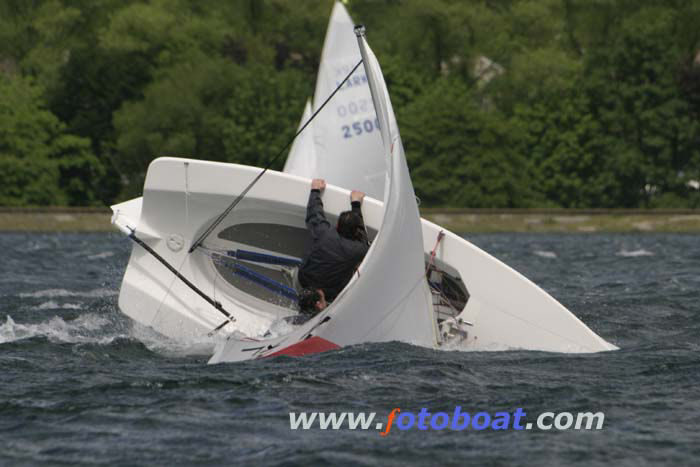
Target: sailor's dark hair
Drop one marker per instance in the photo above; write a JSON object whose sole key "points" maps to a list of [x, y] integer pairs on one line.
{"points": [[349, 225], [307, 300]]}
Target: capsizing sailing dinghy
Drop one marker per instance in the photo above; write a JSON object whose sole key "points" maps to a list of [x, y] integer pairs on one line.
{"points": [[240, 279]]}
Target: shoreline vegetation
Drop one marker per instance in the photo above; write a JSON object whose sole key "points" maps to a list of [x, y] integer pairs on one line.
{"points": [[501, 104], [464, 221]]}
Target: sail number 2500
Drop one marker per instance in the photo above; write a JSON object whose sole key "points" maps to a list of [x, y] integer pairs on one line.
{"points": [[358, 128]]}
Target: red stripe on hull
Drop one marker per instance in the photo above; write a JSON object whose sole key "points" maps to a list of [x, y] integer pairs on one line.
{"points": [[308, 346]]}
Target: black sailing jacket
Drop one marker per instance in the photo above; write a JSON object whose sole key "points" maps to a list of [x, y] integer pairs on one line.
{"points": [[331, 261]]}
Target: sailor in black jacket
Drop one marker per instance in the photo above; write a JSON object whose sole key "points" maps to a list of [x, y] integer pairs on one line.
{"points": [[335, 253]]}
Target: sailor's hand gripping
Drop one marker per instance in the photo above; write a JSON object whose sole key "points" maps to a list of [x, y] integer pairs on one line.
{"points": [[356, 195]]}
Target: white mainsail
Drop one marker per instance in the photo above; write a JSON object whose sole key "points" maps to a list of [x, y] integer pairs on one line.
{"points": [[347, 146]]}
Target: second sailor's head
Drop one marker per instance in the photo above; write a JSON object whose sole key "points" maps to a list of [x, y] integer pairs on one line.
{"points": [[311, 301]]}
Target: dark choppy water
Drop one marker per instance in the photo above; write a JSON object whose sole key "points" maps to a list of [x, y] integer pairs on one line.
{"points": [[79, 383]]}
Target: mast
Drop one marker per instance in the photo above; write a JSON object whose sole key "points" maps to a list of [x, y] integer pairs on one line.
{"points": [[379, 104]]}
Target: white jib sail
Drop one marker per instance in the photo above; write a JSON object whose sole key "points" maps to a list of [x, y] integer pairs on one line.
{"points": [[345, 134]]}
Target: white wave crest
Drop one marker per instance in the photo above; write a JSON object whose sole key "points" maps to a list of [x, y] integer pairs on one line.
{"points": [[104, 254], [634, 253], [53, 293], [158, 343], [93, 328], [80, 330], [545, 254], [278, 328], [52, 305]]}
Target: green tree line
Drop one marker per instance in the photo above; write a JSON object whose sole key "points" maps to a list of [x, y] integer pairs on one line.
{"points": [[501, 103]]}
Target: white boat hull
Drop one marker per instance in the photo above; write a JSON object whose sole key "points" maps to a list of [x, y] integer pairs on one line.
{"points": [[504, 310]]}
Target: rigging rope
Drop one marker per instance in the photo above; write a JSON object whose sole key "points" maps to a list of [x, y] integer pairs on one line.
{"points": [[194, 288], [238, 199]]}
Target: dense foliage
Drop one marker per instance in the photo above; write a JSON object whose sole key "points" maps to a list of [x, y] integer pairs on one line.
{"points": [[574, 103]]}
